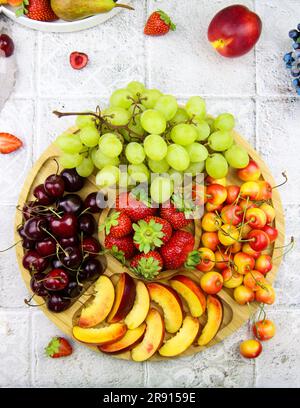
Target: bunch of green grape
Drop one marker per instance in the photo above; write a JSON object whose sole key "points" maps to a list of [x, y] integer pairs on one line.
{"points": [[149, 132]]}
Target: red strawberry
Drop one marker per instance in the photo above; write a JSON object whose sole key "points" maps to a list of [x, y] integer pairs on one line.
{"points": [[9, 143], [179, 251], [151, 232], [175, 217], [118, 225], [159, 23], [39, 10], [148, 265], [122, 248], [135, 209], [58, 347]]}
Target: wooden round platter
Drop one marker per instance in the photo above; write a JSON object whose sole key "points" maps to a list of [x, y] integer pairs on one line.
{"points": [[234, 315]]}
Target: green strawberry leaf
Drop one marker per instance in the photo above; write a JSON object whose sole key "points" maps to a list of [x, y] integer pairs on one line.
{"points": [[166, 19]]}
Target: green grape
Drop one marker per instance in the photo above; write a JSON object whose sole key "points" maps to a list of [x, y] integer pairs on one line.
{"points": [[134, 153], [177, 157], [136, 87], [195, 168], [110, 145], [196, 106], [136, 108], [116, 116], [180, 117], [138, 172], [216, 166], [160, 166], [220, 140], [69, 143], [203, 129], [237, 157], [135, 125], [150, 97], [176, 177], [121, 98], [85, 120], [167, 105], [210, 120], [86, 168], [197, 152], [70, 161], [153, 122], [108, 176], [155, 147], [225, 121], [183, 134], [100, 160], [89, 136], [161, 189]]}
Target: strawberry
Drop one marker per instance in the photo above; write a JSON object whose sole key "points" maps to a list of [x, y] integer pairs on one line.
{"points": [[179, 251], [134, 208], [118, 225], [121, 248], [175, 217], [9, 143], [39, 10], [148, 265], [58, 347], [159, 23], [151, 232]]}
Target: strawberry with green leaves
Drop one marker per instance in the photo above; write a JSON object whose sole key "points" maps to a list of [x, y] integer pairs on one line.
{"points": [[121, 248], [135, 208], [175, 216], [39, 10], [58, 347], [159, 23], [147, 265], [118, 225], [151, 232], [179, 251]]}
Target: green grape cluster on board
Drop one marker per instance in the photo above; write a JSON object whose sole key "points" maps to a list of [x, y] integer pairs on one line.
{"points": [[149, 132]]}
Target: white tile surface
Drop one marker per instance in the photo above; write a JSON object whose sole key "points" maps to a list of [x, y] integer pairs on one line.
{"points": [[255, 88]]}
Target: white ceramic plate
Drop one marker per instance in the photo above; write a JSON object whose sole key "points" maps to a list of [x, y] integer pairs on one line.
{"points": [[61, 26]]}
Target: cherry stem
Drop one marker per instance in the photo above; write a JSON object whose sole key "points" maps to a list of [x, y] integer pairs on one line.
{"points": [[125, 6], [62, 114], [284, 182], [289, 246], [12, 246], [57, 243], [57, 166]]}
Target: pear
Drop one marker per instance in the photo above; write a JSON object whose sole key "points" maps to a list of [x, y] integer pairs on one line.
{"points": [[71, 10]]}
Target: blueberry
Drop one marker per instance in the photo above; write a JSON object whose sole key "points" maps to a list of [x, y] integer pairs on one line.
{"points": [[288, 57], [296, 46], [296, 82], [293, 34], [298, 26], [298, 90]]}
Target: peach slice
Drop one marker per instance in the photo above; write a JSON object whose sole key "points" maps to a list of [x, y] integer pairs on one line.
{"points": [[214, 320], [170, 303], [130, 340], [191, 293], [183, 338], [125, 295], [140, 308], [99, 336], [97, 311], [153, 337]]}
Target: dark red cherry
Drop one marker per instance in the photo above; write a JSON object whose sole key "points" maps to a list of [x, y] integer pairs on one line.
{"points": [[35, 228], [46, 247], [67, 242], [28, 244], [32, 261], [6, 44], [87, 224], [71, 257], [57, 279], [57, 303], [72, 290], [70, 203], [54, 185], [36, 284], [73, 182], [42, 197], [90, 246], [91, 268], [64, 227], [29, 210], [91, 202], [56, 263]]}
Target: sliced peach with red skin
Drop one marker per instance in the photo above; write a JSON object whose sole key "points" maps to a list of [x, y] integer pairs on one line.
{"points": [[214, 320], [170, 303], [124, 299], [183, 339], [140, 309], [191, 293], [130, 340], [153, 338], [97, 311], [99, 336]]}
